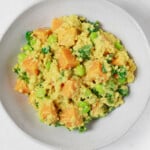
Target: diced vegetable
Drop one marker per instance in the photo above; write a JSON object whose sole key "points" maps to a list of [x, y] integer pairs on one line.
{"points": [[40, 92], [24, 77], [82, 129], [52, 39], [42, 33], [66, 60], [67, 37], [21, 86], [31, 66], [48, 65], [88, 92], [96, 71], [28, 36], [118, 45], [123, 90], [104, 69], [93, 35], [71, 117], [27, 47], [122, 80], [110, 98], [69, 88], [79, 70], [46, 50], [21, 57], [85, 52], [84, 106], [100, 89], [56, 23]]}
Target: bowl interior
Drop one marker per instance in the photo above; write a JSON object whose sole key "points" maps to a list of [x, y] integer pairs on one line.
{"points": [[102, 131]]}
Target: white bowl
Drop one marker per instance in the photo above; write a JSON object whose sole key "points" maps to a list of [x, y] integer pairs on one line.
{"points": [[103, 131]]}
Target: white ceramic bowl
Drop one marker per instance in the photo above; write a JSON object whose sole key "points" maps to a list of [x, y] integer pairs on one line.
{"points": [[102, 131]]}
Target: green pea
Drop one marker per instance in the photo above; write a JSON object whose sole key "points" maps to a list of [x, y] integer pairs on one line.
{"points": [[52, 39], [27, 47], [124, 91], [122, 80], [46, 50], [85, 106], [118, 45], [100, 89], [28, 35], [79, 70], [21, 57], [48, 65], [93, 35], [33, 41], [40, 92], [88, 92]]}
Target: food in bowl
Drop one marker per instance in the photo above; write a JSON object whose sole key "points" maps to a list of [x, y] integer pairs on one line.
{"points": [[73, 72]]}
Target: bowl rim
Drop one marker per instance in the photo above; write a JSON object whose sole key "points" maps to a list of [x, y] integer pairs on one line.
{"points": [[29, 136]]}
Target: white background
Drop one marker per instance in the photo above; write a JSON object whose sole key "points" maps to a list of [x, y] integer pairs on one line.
{"points": [[138, 137]]}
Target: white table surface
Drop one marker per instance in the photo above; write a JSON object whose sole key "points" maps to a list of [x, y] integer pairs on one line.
{"points": [[138, 137]]}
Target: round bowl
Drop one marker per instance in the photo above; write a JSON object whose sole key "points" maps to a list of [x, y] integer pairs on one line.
{"points": [[102, 131]]}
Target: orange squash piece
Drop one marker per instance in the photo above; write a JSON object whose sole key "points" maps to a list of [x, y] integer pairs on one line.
{"points": [[95, 71], [66, 60], [56, 23], [49, 110], [21, 86], [42, 33], [70, 117], [67, 37], [69, 88], [31, 66]]}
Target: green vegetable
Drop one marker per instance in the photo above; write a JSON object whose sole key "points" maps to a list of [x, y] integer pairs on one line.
{"points": [[111, 85], [124, 91], [33, 41], [27, 47], [21, 57], [52, 39], [16, 70], [48, 65], [96, 27], [104, 69], [93, 35], [96, 92], [24, 77], [110, 98], [46, 50], [82, 129], [28, 36], [79, 70], [118, 45], [85, 52], [122, 80], [40, 92], [100, 89], [37, 104], [85, 106], [88, 92]]}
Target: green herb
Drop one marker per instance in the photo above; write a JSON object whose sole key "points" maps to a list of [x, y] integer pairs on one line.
{"points": [[82, 129], [28, 36], [46, 50], [104, 69], [24, 77], [110, 98], [100, 89], [85, 52], [124, 91], [16, 70]]}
